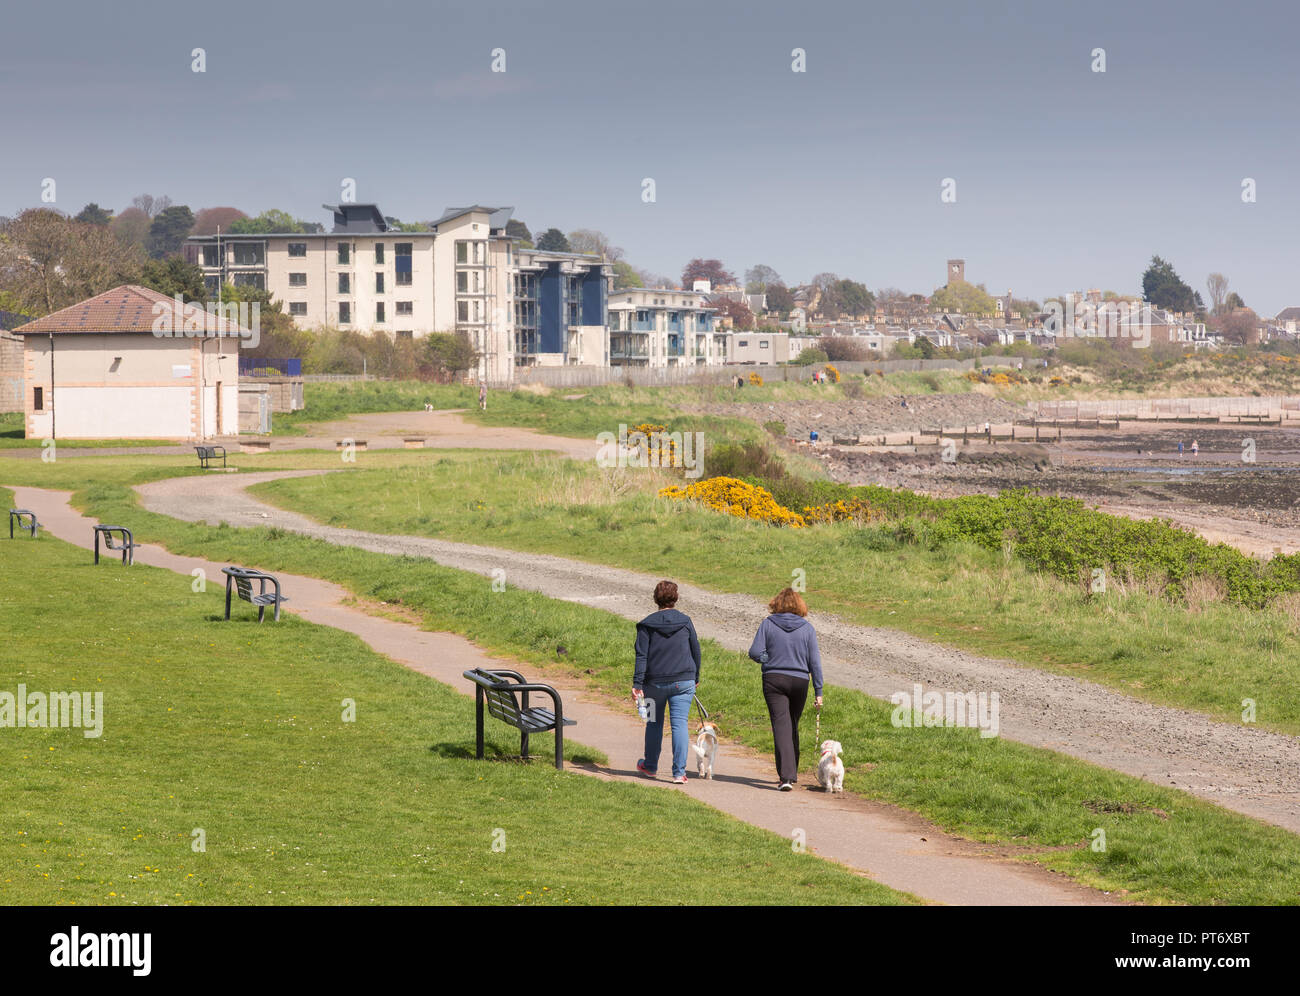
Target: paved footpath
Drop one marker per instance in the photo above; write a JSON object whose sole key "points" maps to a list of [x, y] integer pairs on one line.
{"points": [[892, 846]]}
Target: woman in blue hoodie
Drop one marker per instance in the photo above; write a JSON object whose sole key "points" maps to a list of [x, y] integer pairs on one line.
{"points": [[786, 646], [667, 671]]}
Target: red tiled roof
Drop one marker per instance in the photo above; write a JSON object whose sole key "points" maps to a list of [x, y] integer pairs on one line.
{"points": [[129, 309]]}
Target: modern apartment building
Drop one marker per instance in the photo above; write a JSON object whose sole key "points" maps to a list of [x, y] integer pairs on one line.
{"points": [[655, 327], [519, 307]]}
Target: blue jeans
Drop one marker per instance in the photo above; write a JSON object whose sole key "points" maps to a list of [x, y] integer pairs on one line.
{"points": [[673, 699]]}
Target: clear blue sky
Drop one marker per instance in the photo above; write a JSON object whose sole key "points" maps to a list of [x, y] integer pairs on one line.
{"points": [[1066, 179]]}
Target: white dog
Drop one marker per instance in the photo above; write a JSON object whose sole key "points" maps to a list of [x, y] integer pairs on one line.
{"points": [[706, 748], [830, 769]]}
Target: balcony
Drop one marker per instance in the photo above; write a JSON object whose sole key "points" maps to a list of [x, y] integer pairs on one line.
{"points": [[642, 325]]}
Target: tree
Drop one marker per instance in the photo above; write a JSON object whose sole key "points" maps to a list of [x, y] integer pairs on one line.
{"points": [[131, 226], [150, 205], [93, 214], [758, 279], [1234, 301], [588, 240], [1239, 326], [626, 275], [175, 276], [711, 270], [49, 261], [277, 337], [448, 352], [841, 348], [1163, 288], [738, 311], [518, 230], [779, 298], [824, 280], [1217, 285], [168, 232], [925, 346], [553, 240], [207, 221], [963, 297], [846, 298], [273, 221]]}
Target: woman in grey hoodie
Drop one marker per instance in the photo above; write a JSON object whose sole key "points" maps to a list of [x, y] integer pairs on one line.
{"points": [[786, 646]]}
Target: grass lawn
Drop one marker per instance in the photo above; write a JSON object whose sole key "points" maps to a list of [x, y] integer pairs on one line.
{"points": [[236, 729], [1163, 846], [960, 595]]}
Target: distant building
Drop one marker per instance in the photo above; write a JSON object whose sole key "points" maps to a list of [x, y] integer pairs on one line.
{"points": [[102, 369], [657, 327], [519, 307]]}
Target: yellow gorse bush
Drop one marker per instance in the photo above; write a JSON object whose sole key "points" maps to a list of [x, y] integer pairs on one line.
{"points": [[756, 378], [649, 430], [736, 498], [750, 501], [834, 373]]}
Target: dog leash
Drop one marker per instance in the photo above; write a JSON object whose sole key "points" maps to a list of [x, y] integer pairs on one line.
{"points": [[704, 713]]}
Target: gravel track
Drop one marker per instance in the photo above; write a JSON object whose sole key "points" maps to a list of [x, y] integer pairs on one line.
{"points": [[1241, 768]]}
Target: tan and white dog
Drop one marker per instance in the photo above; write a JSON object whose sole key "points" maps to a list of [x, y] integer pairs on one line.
{"points": [[830, 769], [706, 748]]}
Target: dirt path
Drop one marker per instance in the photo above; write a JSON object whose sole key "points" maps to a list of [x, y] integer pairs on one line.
{"points": [[889, 845], [1241, 768]]}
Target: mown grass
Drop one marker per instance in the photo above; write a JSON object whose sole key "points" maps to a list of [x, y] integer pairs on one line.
{"points": [[236, 730], [1208, 658], [1163, 846], [13, 427]]}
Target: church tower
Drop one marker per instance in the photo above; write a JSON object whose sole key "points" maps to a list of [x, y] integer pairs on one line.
{"points": [[956, 271]]}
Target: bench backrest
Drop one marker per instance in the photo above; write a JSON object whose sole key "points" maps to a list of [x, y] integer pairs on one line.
{"points": [[503, 705], [245, 587]]}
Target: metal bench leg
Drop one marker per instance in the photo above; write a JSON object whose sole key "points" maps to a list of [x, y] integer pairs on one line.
{"points": [[559, 743], [96, 546], [478, 722], [523, 744], [228, 580]]}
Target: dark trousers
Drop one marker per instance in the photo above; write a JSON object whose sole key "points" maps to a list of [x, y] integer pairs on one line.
{"points": [[786, 696]]}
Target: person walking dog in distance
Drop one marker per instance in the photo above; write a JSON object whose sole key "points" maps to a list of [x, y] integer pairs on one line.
{"points": [[786, 646], [667, 671], [482, 395]]}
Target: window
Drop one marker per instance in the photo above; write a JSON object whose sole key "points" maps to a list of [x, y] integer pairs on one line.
{"points": [[297, 280], [379, 254], [379, 312], [345, 283], [462, 311], [38, 399], [402, 262], [462, 282], [764, 344], [405, 335], [297, 307], [297, 250], [247, 254], [405, 308], [345, 313], [257, 280], [462, 252], [379, 283], [743, 343], [210, 257], [345, 253]]}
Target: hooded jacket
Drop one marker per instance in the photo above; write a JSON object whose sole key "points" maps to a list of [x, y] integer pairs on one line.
{"points": [[667, 649], [787, 644]]}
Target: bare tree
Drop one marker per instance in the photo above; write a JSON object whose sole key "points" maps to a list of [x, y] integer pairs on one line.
{"points": [[151, 205], [590, 240], [1217, 285], [49, 261]]}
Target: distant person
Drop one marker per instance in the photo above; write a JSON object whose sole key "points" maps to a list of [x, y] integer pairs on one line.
{"points": [[1180, 449], [1196, 448], [812, 436], [667, 672], [482, 396], [786, 646]]}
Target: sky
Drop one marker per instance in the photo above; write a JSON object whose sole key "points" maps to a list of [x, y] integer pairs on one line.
{"points": [[1065, 178]]}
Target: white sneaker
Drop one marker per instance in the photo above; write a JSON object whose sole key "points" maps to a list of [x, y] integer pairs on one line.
{"points": [[787, 786]]}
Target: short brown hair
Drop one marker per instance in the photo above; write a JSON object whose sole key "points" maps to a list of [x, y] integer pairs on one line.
{"points": [[665, 594], [788, 600]]}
